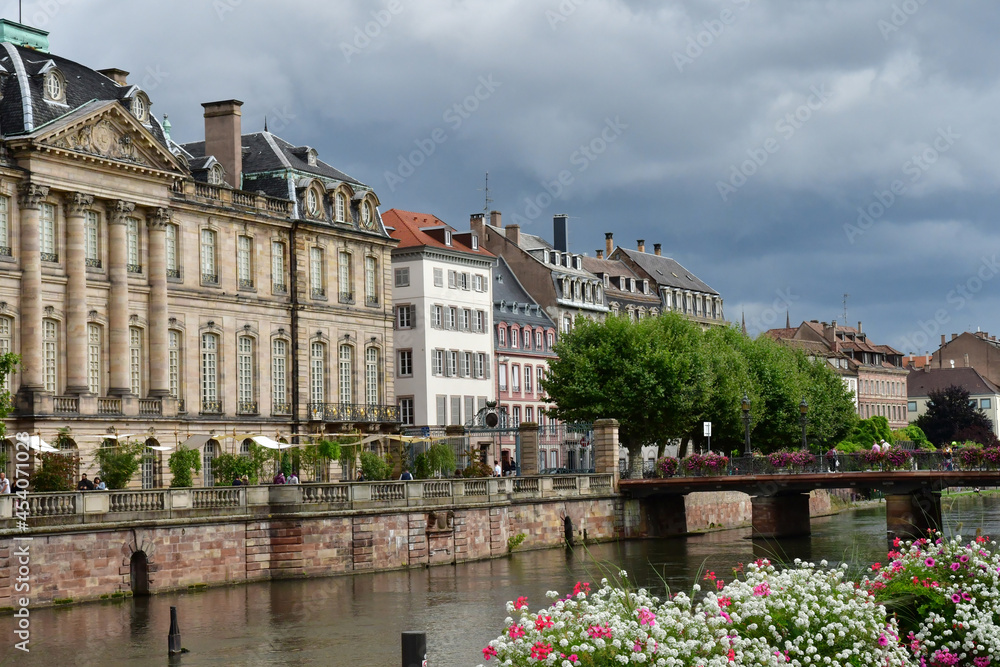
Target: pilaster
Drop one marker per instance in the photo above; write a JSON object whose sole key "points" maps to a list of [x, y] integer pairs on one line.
{"points": [[32, 365], [118, 213], [76, 205]]}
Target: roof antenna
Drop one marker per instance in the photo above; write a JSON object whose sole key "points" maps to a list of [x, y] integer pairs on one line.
{"points": [[486, 204], [265, 123], [19, 20], [845, 307]]}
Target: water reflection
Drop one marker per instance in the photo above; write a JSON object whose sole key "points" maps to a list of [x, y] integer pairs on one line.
{"points": [[358, 620]]}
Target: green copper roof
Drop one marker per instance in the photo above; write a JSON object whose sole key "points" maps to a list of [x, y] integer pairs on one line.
{"points": [[23, 35]]}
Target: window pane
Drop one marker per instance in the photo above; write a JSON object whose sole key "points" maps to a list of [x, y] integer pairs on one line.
{"points": [[279, 382], [171, 248], [208, 252], [244, 264], [174, 362], [371, 375], [47, 214], [50, 344], [245, 370], [318, 373], [93, 359], [135, 360], [209, 370], [90, 235], [346, 373]]}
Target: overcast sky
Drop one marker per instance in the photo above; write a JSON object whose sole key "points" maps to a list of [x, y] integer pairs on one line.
{"points": [[746, 136]]}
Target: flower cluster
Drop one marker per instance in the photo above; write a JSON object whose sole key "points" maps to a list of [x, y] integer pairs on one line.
{"points": [[666, 466], [802, 615], [706, 464], [946, 595], [786, 459], [896, 458]]}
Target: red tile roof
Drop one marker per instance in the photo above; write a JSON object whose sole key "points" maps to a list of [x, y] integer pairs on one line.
{"points": [[411, 230]]}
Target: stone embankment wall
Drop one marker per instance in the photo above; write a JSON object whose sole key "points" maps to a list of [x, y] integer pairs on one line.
{"points": [[87, 562]]}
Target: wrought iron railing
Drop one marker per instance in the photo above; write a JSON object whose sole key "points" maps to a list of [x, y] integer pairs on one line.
{"points": [[174, 273], [93, 262], [133, 268], [245, 283], [5, 251], [345, 297], [318, 293], [371, 301], [180, 405], [281, 408], [211, 407], [210, 278], [353, 412], [279, 288], [246, 407], [49, 256]]}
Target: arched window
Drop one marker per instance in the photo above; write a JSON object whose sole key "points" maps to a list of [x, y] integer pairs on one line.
{"points": [[371, 376], [174, 362], [341, 207], [245, 395], [345, 373], [50, 351], [94, 349], [207, 458], [317, 373], [210, 402]]}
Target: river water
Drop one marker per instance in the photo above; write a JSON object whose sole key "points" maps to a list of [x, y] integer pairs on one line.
{"points": [[357, 620]]}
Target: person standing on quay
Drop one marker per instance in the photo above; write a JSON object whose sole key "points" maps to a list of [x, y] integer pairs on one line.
{"points": [[4, 484], [85, 484]]}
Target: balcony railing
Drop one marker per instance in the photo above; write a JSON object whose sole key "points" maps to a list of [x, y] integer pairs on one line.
{"points": [[246, 407], [211, 407], [49, 256], [107, 405], [281, 408], [133, 268], [180, 405], [150, 407], [346, 297], [353, 412], [245, 283], [210, 278], [67, 405], [244, 199], [5, 251], [93, 262], [318, 293], [279, 288], [371, 301], [174, 273]]}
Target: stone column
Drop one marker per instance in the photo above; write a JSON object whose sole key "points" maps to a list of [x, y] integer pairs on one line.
{"points": [[118, 213], [32, 364], [528, 431], [159, 381], [606, 450], [77, 205]]}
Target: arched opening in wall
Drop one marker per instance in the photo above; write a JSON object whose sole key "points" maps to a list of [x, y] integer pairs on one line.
{"points": [[151, 465], [138, 570], [568, 531]]}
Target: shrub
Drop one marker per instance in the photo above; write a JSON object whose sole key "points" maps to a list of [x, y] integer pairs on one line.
{"points": [[181, 463], [55, 473], [120, 462], [374, 467], [666, 466], [477, 468]]}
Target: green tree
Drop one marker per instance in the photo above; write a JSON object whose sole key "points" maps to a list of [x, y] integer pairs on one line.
{"points": [[865, 433], [650, 375], [226, 467], [119, 462], [181, 463], [8, 364], [374, 467], [729, 367], [56, 472], [831, 413], [949, 413]]}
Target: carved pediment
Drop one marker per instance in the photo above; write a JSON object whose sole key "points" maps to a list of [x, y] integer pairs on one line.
{"points": [[111, 133]]}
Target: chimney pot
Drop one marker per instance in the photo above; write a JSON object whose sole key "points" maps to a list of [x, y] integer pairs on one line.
{"points": [[942, 339], [641, 243], [859, 326], [609, 243], [954, 336], [119, 76], [224, 139], [657, 249], [600, 254], [495, 219]]}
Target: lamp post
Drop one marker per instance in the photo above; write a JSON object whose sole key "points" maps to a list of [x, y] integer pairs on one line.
{"points": [[745, 404], [803, 408]]}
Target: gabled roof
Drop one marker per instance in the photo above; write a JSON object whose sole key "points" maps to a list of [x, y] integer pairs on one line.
{"points": [[507, 291], [266, 152], [23, 107], [416, 230], [921, 383], [666, 271]]}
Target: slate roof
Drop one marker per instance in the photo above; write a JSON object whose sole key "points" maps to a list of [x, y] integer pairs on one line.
{"points": [[921, 383], [266, 152], [667, 271], [507, 290], [23, 107], [411, 230]]}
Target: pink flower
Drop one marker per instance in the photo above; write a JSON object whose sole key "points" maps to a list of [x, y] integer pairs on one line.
{"points": [[883, 640], [955, 566], [541, 651], [516, 632], [929, 562], [646, 617], [521, 603], [762, 590], [543, 622], [981, 662], [489, 652]]}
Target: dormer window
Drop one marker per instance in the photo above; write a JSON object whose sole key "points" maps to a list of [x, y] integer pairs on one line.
{"points": [[140, 107], [447, 237], [215, 175], [366, 215], [55, 86], [311, 157], [341, 207], [312, 202]]}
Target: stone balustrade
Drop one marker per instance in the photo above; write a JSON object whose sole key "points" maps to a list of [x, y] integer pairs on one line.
{"points": [[92, 507]]}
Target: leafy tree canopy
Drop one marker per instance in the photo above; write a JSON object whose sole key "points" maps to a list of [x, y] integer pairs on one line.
{"points": [[951, 416]]}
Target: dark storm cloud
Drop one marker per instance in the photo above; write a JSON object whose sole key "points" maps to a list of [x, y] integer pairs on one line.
{"points": [[787, 153]]}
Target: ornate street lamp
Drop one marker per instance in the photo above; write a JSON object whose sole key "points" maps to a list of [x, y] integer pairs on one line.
{"points": [[803, 408], [745, 404]]}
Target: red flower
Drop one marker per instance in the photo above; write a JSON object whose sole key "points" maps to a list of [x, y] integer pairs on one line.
{"points": [[489, 652], [541, 651]]}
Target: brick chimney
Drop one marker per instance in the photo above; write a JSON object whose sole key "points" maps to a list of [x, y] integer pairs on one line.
{"points": [[513, 233], [600, 254], [954, 336], [657, 249], [223, 137], [641, 243], [119, 76], [859, 326], [495, 219], [477, 223], [609, 243]]}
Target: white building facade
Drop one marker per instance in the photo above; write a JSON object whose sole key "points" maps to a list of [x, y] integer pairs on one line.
{"points": [[443, 301]]}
